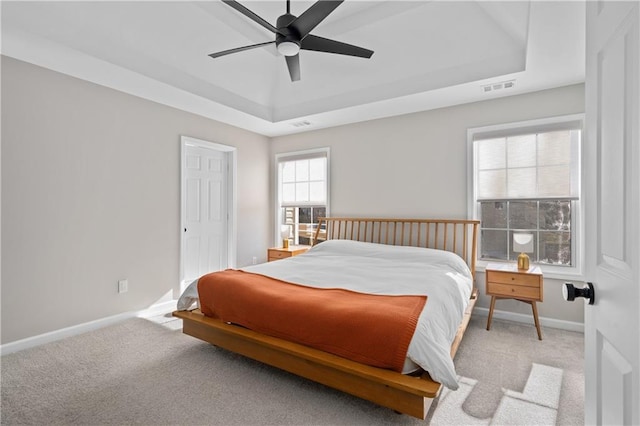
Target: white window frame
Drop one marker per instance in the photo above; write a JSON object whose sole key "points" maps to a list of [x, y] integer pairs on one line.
{"points": [[577, 224], [285, 156]]}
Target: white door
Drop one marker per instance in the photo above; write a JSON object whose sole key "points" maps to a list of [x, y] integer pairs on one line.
{"points": [[612, 324], [204, 211]]}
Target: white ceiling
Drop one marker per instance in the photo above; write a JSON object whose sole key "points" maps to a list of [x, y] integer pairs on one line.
{"points": [[428, 54]]}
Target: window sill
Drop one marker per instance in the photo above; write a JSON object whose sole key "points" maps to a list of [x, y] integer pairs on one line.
{"points": [[548, 271]]}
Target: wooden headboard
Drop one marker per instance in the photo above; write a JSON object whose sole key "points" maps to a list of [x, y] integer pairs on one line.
{"points": [[459, 236]]}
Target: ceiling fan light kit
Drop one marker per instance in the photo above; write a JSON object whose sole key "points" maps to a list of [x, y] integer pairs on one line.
{"points": [[292, 34], [289, 48]]}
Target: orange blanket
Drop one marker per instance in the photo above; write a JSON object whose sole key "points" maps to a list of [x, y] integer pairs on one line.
{"points": [[370, 329]]}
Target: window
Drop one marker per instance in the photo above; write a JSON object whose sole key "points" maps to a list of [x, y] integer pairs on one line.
{"points": [[526, 178], [302, 194]]}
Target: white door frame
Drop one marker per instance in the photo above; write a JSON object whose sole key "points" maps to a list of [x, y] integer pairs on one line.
{"points": [[231, 153]]}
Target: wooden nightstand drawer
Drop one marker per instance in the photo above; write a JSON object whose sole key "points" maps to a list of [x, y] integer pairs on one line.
{"points": [[513, 278], [513, 290], [278, 254]]}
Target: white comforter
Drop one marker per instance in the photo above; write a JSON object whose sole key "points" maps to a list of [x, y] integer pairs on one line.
{"points": [[391, 270]]}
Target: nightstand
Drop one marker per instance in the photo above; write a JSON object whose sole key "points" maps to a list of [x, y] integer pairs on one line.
{"points": [[506, 281], [278, 253]]}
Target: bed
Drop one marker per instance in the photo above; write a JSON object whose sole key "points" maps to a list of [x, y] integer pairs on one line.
{"points": [[408, 249]]}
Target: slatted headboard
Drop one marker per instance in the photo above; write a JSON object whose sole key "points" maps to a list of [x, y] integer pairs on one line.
{"points": [[455, 235]]}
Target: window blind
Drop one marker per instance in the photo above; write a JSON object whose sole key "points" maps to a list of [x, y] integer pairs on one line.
{"points": [[539, 165], [303, 179]]}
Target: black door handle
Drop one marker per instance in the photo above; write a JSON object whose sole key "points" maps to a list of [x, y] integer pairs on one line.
{"points": [[569, 292]]}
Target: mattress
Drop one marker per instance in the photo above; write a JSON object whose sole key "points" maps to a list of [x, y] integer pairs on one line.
{"points": [[388, 270]]}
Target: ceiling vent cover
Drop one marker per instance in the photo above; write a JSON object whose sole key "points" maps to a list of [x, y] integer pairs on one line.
{"points": [[303, 123], [498, 86]]}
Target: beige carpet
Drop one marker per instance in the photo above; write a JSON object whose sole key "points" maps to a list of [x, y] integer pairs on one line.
{"points": [[143, 372]]}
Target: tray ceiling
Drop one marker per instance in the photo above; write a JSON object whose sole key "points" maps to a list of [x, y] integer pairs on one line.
{"points": [[428, 54]]}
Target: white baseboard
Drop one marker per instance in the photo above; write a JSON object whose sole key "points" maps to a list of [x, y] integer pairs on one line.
{"points": [[52, 336], [157, 309], [528, 319]]}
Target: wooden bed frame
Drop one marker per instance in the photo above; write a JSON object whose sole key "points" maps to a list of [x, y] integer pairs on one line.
{"points": [[408, 394]]}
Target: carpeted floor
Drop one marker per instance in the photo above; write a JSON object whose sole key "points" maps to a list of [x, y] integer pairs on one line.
{"points": [[146, 372]]}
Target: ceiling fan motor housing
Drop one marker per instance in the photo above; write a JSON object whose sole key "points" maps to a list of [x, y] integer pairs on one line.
{"points": [[285, 32]]}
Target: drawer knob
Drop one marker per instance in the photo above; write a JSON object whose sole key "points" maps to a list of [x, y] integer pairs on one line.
{"points": [[569, 293]]}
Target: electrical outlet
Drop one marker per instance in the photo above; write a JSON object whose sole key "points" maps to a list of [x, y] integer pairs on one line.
{"points": [[255, 260], [123, 286]]}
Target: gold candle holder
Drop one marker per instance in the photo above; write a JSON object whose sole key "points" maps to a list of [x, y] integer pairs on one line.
{"points": [[523, 243], [523, 261]]}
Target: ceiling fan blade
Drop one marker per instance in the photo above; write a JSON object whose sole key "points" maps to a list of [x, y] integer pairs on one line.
{"points": [[293, 63], [321, 44], [249, 14], [240, 49], [311, 17]]}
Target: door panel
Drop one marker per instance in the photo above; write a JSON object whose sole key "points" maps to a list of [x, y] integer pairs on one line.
{"points": [[612, 160], [615, 377], [191, 256], [215, 207], [193, 200]]}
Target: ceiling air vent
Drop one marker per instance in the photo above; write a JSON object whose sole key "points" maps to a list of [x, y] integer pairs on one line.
{"points": [[303, 123], [498, 86]]}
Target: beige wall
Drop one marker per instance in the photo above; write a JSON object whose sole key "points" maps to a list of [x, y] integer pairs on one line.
{"points": [[90, 195], [416, 166]]}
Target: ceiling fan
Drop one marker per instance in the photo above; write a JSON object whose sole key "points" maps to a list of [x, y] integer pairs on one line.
{"points": [[292, 35]]}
